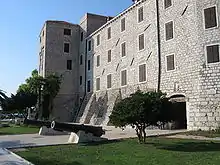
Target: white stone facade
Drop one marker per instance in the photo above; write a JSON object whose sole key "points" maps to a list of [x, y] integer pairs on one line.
{"points": [[192, 76]]}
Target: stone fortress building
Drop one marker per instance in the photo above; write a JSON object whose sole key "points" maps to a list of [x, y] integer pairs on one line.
{"points": [[167, 45]]}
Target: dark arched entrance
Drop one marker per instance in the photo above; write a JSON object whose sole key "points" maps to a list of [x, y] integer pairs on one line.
{"points": [[179, 111]]}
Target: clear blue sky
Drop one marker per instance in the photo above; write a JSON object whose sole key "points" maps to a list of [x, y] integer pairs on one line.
{"points": [[21, 22]]}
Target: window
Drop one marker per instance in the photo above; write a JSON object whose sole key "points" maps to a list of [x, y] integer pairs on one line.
{"points": [[109, 81], [81, 36], [109, 32], [80, 80], [210, 17], [81, 60], [98, 40], [66, 47], [140, 14], [142, 73], [89, 65], [123, 77], [141, 42], [67, 32], [88, 86], [98, 60], [212, 53], [43, 33], [167, 3], [98, 84], [69, 65], [89, 45], [123, 25], [169, 30], [109, 55], [123, 49], [170, 62]]}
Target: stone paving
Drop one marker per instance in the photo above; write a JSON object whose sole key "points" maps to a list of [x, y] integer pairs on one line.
{"points": [[19, 141]]}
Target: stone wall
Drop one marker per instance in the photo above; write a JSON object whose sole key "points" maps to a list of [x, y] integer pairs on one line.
{"points": [[192, 77]]}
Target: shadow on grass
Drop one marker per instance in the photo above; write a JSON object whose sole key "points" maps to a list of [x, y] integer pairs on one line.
{"points": [[101, 142], [189, 146], [36, 161]]}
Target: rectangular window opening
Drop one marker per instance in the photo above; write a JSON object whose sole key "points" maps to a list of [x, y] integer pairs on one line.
{"points": [[169, 30], [170, 62], [66, 47], [67, 32], [123, 77], [212, 53], [142, 73], [140, 14], [69, 65], [210, 17]]}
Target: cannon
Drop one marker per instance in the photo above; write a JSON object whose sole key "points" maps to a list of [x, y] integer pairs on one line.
{"points": [[73, 127], [38, 123]]}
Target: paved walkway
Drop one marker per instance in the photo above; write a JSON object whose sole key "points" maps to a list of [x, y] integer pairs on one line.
{"points": [[19, 141]]}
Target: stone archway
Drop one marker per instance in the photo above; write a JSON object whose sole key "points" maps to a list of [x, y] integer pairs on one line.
{"points": [[179, 111]]}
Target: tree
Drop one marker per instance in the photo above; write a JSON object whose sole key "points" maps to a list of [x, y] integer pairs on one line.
{"points": [[3, 98], [51, 88], [140, 110], [30, 93]]}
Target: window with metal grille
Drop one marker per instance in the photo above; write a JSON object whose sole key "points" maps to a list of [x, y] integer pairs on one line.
{"points": [[122, 24], [123, 49], [98, 40], [170, 62], [109, 32], [89, 86], [67, 32], [66, 48], [98, 60], [89, 65], [109, 55], [98, 84], [89, 45], [167, 3], [169, 30], [109, 81], [140, 14], [81, 36], [210, 17], [81, 59], [141, 42], [80, 80], [123, 77], [69, 65], [142, 73], [212, 53]]}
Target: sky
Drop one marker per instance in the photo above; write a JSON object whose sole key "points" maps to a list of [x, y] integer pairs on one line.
{"points": [[21, 22]]}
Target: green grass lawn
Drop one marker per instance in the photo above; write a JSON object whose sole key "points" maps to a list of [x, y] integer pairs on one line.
{"points": [[157, 151], [13, 130]]}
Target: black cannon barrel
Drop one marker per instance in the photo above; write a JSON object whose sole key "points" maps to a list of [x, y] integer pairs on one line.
{"points": [[73, 127], [37, 123]]}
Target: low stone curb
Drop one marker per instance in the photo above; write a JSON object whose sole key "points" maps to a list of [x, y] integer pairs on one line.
{"points": [[17, 156]]}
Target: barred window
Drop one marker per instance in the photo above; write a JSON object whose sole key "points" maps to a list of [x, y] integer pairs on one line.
{"points": [[210, 17], [123, 25], [69, 65], [66, 48], [98, 60], [98, 84], [123, 49], [109, 32], [167, 3], [141, 42], [67, 32], [140, 14], [98, 40], [142, 73], [169, 30], [89, 86], [109, 81], [170, 62], [109, 55], [212, 53], [123, 77]]}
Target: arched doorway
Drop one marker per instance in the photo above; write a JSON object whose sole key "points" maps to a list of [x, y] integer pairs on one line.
{"points": [[179, 111]]}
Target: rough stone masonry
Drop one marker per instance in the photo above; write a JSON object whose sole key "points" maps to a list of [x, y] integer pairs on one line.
{"points": [[168, 44]]}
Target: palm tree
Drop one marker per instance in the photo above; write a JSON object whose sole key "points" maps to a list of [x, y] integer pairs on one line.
{"points": [[3, 98]]}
